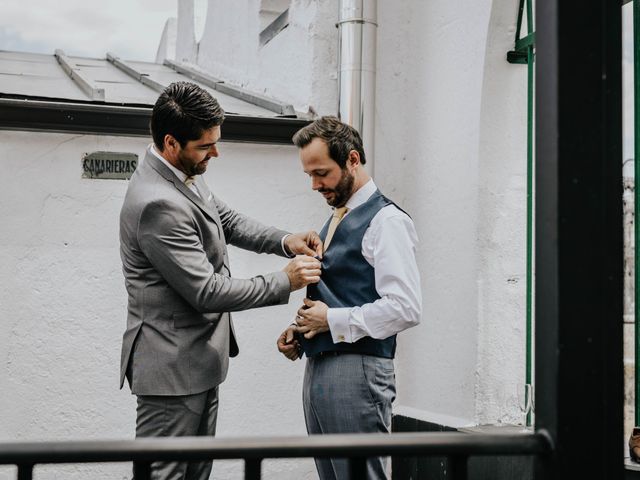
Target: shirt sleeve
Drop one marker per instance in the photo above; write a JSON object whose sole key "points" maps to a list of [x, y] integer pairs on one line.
{"points": [[285, 250], [389, 245]]}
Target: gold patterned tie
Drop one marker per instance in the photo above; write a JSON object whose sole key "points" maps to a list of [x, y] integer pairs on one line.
{"points": [[338, 213], [189, 181]]}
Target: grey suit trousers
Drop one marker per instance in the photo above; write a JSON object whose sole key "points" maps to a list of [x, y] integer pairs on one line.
{"points": [[348, 393], [178, 416]]}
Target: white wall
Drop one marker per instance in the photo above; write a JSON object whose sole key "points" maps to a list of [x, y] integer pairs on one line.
{"points": [[427, 125], [450, 147], [502, 224], [297, 66], [451, 111], [63, 304]]}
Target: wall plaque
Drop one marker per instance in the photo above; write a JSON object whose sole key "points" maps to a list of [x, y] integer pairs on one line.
{"points": [[109, 165]]}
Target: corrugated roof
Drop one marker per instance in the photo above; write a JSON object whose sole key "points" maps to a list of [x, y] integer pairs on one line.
{"points": [[42, 76], [113, 96], [36, 75]]}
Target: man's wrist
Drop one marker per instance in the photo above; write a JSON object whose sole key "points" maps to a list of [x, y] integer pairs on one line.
{"points": [[283, 244]]}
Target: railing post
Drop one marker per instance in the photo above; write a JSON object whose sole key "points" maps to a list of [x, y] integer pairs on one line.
{"points": [[25, 471], [252, 468], [543, 466], [458, 467], [357, 468], [141, 470]]}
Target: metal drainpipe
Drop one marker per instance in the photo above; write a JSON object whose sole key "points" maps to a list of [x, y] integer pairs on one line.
{"points": [[357, 85]]}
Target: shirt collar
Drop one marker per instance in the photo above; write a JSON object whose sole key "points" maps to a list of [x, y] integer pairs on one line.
{"points": [[361, 195], [178, 173]]}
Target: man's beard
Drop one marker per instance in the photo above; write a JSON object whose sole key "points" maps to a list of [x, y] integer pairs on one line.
{"points": [[192, 169], [342, 191], [200, 168]]}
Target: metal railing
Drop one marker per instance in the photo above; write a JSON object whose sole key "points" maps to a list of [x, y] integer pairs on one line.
{"points": [[458, 447]]}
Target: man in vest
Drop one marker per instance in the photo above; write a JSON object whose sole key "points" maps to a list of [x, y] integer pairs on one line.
{"points": [[368, 292]]}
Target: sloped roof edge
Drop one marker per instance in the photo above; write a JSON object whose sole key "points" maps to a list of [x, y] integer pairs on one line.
{"points": [[195, 73], [38, 114]]}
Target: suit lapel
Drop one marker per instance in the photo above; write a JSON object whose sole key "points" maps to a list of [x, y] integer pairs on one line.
{"points": [[205, 204], [206, 197]]}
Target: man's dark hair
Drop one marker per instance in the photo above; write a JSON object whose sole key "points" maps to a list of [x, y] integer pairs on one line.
{"points": [[339, 137], [184, 110]]}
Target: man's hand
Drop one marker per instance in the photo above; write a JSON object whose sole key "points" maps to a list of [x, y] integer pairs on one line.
{"points": [[305, 243], [288, 345], [312, 318], [302, 271]]}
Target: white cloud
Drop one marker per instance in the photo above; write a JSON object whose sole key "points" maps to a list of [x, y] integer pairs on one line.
{"points": [[131, 29]]}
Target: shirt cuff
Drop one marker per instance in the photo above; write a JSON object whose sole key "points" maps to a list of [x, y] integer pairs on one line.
{"points": [[287, 253], [338, 320]]}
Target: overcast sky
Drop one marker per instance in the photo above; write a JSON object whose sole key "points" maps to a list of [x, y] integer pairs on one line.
{"points": [[129, 28]]}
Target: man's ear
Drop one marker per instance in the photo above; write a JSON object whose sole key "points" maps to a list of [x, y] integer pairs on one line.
{"points": [[170, 143], [354, 159]]}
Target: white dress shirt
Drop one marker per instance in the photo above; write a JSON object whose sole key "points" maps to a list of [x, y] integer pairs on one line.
{"points": [[389, 246]]}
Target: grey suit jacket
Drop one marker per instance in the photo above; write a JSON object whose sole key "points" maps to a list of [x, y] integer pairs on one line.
{"points": [[179, 333]]}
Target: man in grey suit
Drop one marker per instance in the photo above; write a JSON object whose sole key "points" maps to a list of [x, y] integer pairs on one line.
{"points": [[173, 236]]}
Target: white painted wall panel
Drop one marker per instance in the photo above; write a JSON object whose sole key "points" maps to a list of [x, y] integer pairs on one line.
{"points": [[451, 149], [63, 305]]}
